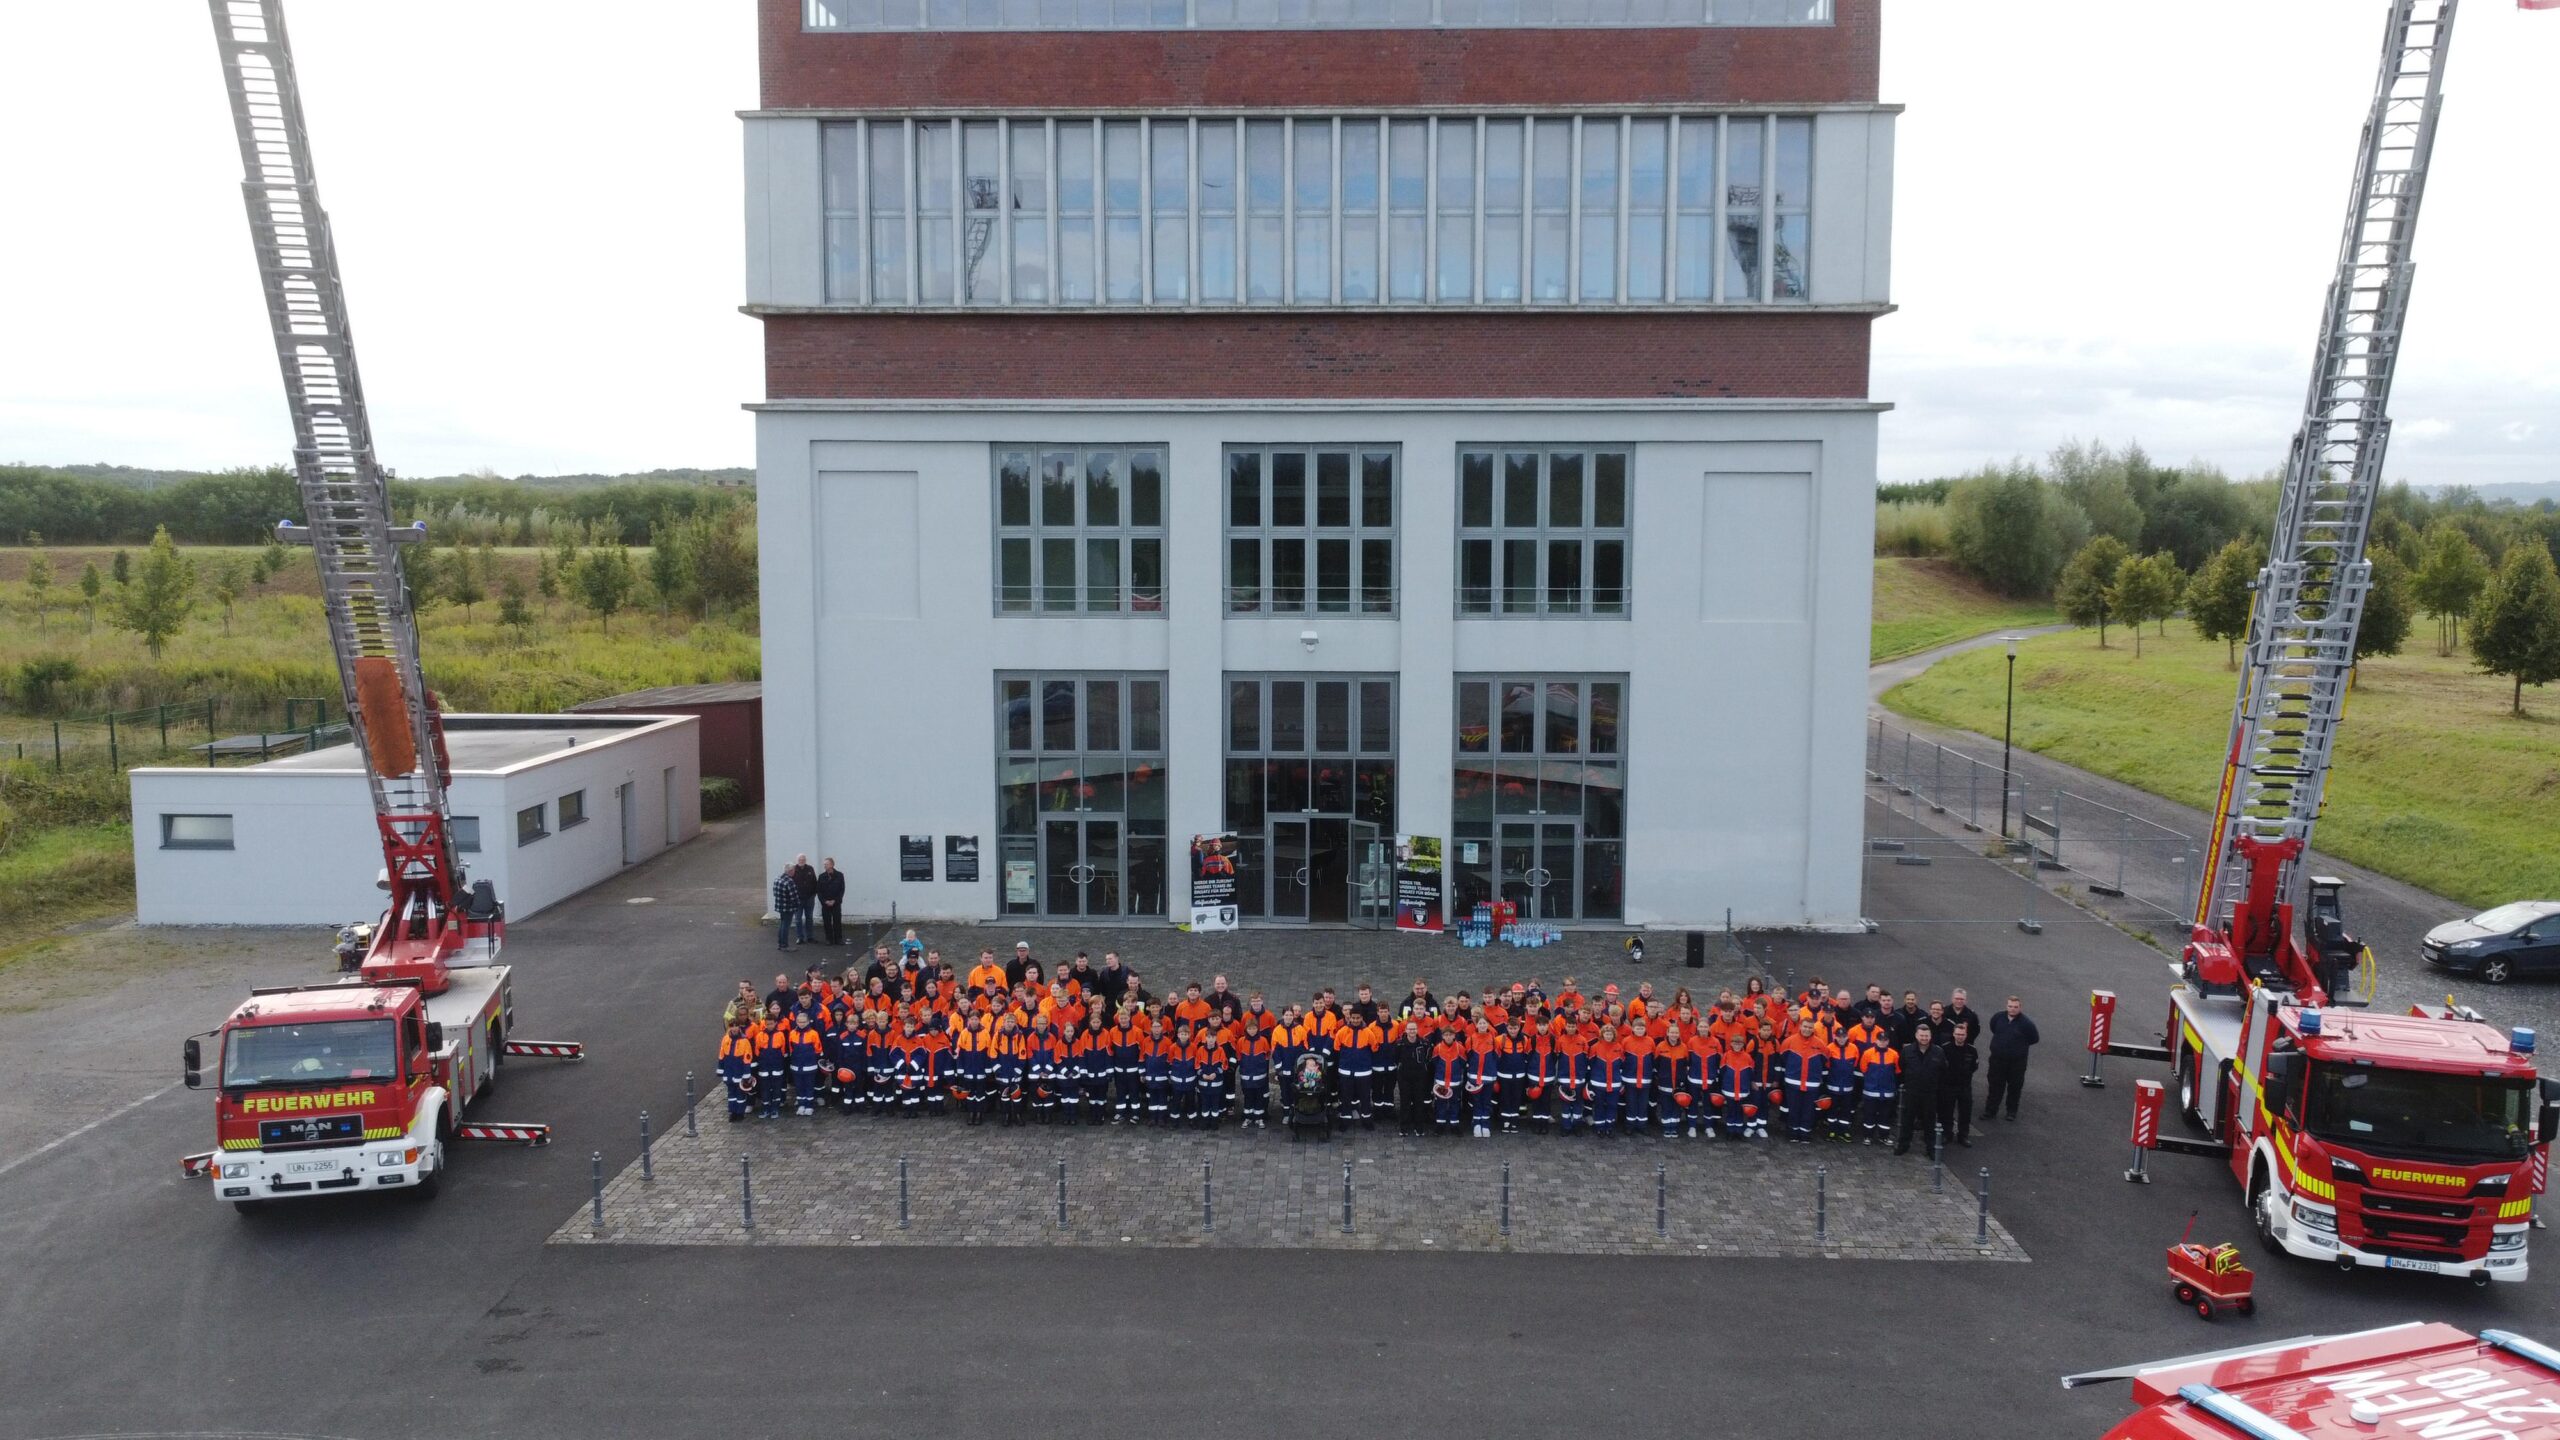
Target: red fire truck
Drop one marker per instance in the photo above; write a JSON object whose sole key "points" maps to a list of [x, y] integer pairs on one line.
{"points": [[2410, 1141], [2402, 1380], [331, 1089]]}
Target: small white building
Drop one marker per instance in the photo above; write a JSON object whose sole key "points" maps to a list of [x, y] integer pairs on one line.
{"points": [[544, 806]]}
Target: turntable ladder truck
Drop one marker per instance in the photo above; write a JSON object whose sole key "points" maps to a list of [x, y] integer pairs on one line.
{"points": [[360, 1084], [2399, 1141]]}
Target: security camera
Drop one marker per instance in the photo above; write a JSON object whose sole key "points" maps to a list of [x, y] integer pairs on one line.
{"points": [[1307, 638]]}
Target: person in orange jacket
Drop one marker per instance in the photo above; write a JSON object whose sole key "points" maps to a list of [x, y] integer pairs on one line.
{"points": [[1803, 1080], [1561, 1071], [1484, 1074], [1452, 1070], [1600, 1079]]}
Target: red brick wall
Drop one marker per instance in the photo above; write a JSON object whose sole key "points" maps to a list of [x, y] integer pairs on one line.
{"points": [[1696, 65], [1329, 356]]}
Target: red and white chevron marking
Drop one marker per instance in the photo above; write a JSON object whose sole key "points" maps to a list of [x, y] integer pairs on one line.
{"points": [[197, 1167], [554, 1049], [520, 1134]]}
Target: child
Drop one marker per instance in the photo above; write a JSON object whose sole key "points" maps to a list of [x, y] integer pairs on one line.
{"points": [[1209, 1077], [1600, 1078], [773, 1060], [1156, 1059], [1253, 1072], [738, 1068], [1184, 1058], [1451, 1064], [1484, 1077]]}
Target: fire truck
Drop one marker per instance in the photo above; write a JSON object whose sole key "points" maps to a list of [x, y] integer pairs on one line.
{"points": [[2402, 1141], [359, 1084], [2413, 1379]]}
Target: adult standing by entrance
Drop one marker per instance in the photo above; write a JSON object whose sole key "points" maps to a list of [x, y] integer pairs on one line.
{"points": [[805, 876], [831, 901], [786, 904], [2012, 1036]]}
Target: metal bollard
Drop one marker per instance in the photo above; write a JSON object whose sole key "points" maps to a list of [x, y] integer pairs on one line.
{"points": [[689, 1131], [902, 1192], [596, 1177], [1506, 1197], [1661, 1200], [747, 1191], [1937, 1159], [647, 1172], [1982, 1209], [1208, 1205], [1062, 1192], [1821, 1203], [1346, 1197]]}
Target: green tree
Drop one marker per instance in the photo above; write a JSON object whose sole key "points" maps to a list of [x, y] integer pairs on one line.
{"points": [[161, 595], [546, 578], [124, 566], [258, 571], [2095, 478], [2085, 592], [512, 611], [720, 549], [2517, 629], [2011, 530], [2451, 576], [275, 556], [2387, 608], [669, 574], [2219, 598], [92, 585], [39, 582], [2146, 588], [225, 583], [603, 580], [462, 583]]}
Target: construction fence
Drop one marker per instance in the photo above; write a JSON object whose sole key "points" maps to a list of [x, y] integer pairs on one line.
{"points": [[210, 730]]}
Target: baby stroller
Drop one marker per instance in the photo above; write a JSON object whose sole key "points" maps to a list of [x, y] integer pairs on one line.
{"points": [[1311, 1097]]}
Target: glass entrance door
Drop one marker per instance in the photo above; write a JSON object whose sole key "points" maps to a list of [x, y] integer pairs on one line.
{"points": [[1535, 869], [1082, 868], [1373, 877], [1289, 869]]}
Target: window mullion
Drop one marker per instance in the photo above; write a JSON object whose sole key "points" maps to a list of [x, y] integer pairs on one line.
{"points": [[1768, 276], [1626, 185], [1288, 211], [1333, 131], [1573, 213], [1718, 241], [1475, 270], [915, 221], [1004, 208], [862, 208], [1431, 206], [1146, 210], [1671, 210]]}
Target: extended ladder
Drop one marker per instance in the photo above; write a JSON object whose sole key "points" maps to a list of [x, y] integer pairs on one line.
{"points": [[2310, 596]]}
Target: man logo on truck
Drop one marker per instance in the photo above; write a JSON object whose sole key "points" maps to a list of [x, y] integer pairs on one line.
{"points": [[313, 1100]]}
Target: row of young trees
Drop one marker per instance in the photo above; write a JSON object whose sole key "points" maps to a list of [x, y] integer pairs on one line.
{"points": [[2513, 609]]}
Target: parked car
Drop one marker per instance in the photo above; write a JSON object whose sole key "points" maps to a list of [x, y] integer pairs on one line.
{"points": [[2522, 938]]}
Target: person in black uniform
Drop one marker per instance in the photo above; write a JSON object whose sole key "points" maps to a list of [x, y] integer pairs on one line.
{"points": [[1924, 1078], [831, 901], [1955, 1097], [1412, 1077]]}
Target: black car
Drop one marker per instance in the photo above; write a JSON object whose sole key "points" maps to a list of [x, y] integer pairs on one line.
{"points": [[2522, 938]]}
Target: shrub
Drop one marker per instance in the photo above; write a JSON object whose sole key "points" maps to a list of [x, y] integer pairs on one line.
{"points": [[2012, 530], [1911, 527], [722, 797]]}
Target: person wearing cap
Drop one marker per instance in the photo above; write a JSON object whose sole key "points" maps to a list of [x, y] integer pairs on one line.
{"points": [[1014, 968]]}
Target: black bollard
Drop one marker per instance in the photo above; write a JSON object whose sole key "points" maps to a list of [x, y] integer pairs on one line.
{"points": [[1821, 1204], [1346, 1197], [688, 1105], [1661, 1200], [747, 1191], [1982, 1209], [1208, 1206], [1062, 1192], [1506, 1197], [1937, 1160], [647, 1172], [596, 1175]]}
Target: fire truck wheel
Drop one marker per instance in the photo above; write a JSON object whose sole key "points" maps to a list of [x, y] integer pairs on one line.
{"points": [[250, 1209], [2262, 1211], [2190, 1092], [430, 1182]]}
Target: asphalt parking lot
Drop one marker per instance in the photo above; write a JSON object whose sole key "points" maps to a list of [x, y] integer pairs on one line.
{"points": [[137, 1305]]}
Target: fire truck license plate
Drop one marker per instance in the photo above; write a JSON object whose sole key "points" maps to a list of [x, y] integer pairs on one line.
{"points": [[311, 1167], [2394, 1262]]}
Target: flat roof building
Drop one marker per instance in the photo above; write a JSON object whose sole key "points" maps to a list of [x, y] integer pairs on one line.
{"points": [[1314, 424]]}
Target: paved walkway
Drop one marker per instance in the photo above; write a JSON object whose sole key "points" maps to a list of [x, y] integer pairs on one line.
{"points": [[833, 1180]]}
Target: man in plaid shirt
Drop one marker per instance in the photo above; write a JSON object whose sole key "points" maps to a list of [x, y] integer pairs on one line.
{"points": [[786, 903]]}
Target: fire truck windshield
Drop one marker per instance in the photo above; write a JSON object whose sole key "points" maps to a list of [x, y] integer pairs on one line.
{"points": [[316, 1054], [2419, 1112]]}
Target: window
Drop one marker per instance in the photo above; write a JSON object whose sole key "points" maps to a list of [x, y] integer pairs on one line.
{"points": [[1050, 15], [1081, 793], [1601, 210], [1543, 532], [529, 826], [466, 834], [1302, 749], [195, 832], [1538, 795], [1080, 531], [1311, 531], [573, 809]]}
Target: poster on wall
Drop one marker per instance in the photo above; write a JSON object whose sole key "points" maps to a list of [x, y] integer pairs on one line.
{"points": [[1021, 878], [1419, 903], [915, 857], [960, 859], [1213, 882]]}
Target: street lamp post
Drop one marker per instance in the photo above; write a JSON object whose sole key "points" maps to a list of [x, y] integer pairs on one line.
{"points": [[2008, 718]]}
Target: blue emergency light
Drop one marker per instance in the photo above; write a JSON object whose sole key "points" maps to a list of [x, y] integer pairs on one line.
{"points": [[2520, 1040], [2310, 1022]]}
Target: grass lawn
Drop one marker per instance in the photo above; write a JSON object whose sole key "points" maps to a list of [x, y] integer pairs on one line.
{"points": [[1921, 604], [57, 875], [2434, 782]]}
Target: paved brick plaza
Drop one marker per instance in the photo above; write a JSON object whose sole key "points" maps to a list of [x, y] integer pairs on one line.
{"points": [[833, 1180]]}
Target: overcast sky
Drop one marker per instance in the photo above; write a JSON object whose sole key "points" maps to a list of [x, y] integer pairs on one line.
{"points": [[2114, 221]]}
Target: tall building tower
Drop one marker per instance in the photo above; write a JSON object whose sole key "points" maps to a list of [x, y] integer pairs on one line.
{"points": [[1313, 421]]}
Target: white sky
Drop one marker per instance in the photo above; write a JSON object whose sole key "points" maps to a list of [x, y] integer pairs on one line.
{"points": [[2113, 221]]}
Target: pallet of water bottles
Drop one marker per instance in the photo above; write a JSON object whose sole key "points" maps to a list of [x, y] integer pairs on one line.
{"points": [[1501, 921]]}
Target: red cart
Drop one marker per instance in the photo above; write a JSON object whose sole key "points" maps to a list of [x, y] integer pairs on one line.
{"points": [[2210, 1278]]}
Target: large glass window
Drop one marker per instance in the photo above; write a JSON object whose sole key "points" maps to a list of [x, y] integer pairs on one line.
{"points": [[1538, 795], [1543, 531], [1306, 756], [1080, 531], [1311, 530], [1080, 794], [1604, 210]]}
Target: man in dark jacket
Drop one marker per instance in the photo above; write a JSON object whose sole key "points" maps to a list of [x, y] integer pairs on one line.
{"points": [[2012, 1035], [1961, 1013], [831, 901], [804, 876], [1021, 961], [1111, 982], [786, 907], [1907, 1020], [1924, 1079], [1955, 1098], [1413, 1079]]}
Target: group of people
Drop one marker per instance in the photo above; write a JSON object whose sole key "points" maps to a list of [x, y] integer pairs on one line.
{"points": [[1092, 1045]]}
